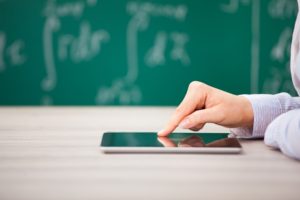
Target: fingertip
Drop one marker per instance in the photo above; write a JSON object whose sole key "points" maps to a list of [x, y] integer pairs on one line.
{"points": [[163, 133]]}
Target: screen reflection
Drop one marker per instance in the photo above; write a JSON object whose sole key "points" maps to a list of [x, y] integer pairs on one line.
{"points": [[196, 141]]}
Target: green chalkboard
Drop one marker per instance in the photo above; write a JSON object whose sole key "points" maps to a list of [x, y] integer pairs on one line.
{"points": [[141, 52]]}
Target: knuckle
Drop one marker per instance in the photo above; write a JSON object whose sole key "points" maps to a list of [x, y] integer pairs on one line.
{"points": [[198, 119], [192, 121], [196, 85]]}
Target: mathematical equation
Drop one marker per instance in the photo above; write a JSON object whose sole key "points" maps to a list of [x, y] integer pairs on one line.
{"points": [[85, 43], [278, 79], [88, 43], [11, 54], [124, 89], [279, 76]]}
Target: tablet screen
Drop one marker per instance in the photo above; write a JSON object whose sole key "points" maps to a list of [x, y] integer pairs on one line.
{"points": [[150, 139]]}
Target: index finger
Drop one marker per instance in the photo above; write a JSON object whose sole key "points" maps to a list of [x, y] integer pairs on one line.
{"points": [[186, 107]]}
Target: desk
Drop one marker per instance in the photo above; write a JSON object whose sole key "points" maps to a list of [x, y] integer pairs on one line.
{"points": [[53, 153]]}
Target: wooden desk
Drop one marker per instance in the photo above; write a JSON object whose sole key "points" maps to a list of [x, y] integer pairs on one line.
{"points": [[53, 153]]}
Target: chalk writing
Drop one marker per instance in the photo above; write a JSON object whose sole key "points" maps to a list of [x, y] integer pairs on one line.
{"points": [[231, 8], [282, 9], [156, 55], [139, 38], [279, 76], [233, 5], [11, 54], [178, 52], [124, 90], [84, 47], [281, 50]]}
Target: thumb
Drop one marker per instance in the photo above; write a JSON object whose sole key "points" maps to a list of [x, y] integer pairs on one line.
{"points": [[210, 115]]}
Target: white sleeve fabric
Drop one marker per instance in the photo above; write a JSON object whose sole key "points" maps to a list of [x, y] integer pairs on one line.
{"points": [[277, 118], [265, 109], [284, 133]]}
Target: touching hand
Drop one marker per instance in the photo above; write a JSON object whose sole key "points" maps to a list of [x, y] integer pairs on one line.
{"points": [[204, 104]]}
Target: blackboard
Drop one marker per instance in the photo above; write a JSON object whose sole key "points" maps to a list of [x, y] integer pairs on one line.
{"points": [[141, 52]]}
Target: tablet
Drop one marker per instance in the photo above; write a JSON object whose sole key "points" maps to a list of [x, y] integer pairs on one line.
{"points": [[149, 142]]}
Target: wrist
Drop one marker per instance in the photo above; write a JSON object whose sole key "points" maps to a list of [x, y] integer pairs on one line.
{"points": [[247, 112]]}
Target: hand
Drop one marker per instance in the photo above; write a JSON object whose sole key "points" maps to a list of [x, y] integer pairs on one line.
{"points": [[204, 104]]}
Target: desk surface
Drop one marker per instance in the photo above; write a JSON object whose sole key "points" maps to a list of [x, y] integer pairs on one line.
{"points": [[53, 153]]}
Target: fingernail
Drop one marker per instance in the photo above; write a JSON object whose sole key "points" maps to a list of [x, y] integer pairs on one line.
{"points": [[184, 124]]}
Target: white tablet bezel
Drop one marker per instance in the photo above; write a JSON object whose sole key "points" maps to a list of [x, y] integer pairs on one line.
{"points": [[123, 149], [227, 150]]}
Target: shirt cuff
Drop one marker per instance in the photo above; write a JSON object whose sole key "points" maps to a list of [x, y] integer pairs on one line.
{"points": [[265, 109]]}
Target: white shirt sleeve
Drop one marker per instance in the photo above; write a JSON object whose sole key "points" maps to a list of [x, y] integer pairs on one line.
{"points": [[284, 133], [277, 119], [266, 108]]}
